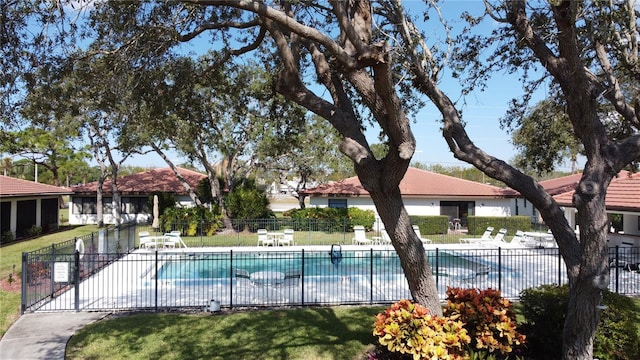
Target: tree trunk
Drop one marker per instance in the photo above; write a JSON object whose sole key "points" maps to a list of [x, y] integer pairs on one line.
{"points": [[215, 190], [116, 200], [591, 275], [409, 248], [99, 207], [301, 203]]}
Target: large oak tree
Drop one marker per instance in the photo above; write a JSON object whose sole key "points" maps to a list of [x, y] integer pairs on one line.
{"points": [[366, 60]]}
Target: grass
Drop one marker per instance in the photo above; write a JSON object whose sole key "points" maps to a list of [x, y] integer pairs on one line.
{"points": [[301, 333], [11, 265], [343, 332]]}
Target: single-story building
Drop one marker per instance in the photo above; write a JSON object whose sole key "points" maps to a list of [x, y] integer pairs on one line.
{"points": [[623, 197], [25, 205], [427, 193], [135, 191]]}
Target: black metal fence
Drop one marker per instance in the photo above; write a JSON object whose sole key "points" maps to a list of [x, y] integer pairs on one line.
{"points": [[51, 271], [307, 231], [204, 279]]}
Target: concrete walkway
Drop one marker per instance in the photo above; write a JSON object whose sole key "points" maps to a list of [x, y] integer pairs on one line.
{"points": [[43, 335]]}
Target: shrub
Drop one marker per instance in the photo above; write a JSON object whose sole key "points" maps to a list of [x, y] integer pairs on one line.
{"points": [[248, 202], [7, 237], [489, 319], [431, 224], [408, 328], [617, 335], [34, 230], [544, 309], [336, 219], [191, 221]]}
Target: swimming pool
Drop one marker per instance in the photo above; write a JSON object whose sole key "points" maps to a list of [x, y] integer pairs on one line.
{"points": [[318, 265]]}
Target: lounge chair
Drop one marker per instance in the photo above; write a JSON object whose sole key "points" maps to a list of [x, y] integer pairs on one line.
{"points": [[264, 239], [360, 236], [425, 241], [519, 239], [485, 236]]}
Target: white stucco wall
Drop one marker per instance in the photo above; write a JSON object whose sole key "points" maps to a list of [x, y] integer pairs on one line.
{"points": [[426, 206], [109, 218]]}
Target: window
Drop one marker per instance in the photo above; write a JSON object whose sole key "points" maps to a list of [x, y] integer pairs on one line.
{"points": [[135, 205], [84, 206], [107, 205], [338, 203]]}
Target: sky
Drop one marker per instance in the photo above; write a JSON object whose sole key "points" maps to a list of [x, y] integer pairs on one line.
{"points": [[482, 110]]}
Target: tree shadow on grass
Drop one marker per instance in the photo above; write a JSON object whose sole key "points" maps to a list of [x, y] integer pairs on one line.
{"points": [[303, 333]]}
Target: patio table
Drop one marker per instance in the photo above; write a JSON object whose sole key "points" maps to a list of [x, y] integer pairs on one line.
{"points": [[268, 277]]}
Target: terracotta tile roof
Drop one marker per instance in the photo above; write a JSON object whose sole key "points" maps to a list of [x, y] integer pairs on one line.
{"points": [[623, 194], [562, 184], [147, 182], [12, 187], [416, 182]]}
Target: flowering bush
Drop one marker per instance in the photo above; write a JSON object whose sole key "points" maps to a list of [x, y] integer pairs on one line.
{"points": [[489, 318], [408, 328]]}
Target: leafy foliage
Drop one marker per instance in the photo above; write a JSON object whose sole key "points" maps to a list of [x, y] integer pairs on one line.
{"points": [[544, 138], [408, 328], [355, 216], [477, 324], [544, 309], [489, 319], [190, 221], [246, 201]]}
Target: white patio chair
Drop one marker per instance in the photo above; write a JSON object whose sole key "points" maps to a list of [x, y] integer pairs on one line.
{"points": [[287, 239], [145, 240], [264, 239]]}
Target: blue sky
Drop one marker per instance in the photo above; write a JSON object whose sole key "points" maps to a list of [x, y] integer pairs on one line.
{"points": [[482, 110]]}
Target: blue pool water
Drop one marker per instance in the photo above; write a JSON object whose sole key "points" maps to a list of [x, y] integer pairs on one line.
{"points": [[313, 264]]}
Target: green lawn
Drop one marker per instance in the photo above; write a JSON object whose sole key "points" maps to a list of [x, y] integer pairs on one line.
{"points": [[11, 267], [299, 333]]}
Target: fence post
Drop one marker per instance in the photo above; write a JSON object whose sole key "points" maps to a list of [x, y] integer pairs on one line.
{"points": [[302, 281], [76, 279], [559, 268], [617, 267], [371, 276], [437, 267], [231, 279], [500, 269], [156, 281], [23, 296], [52, 261]]}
